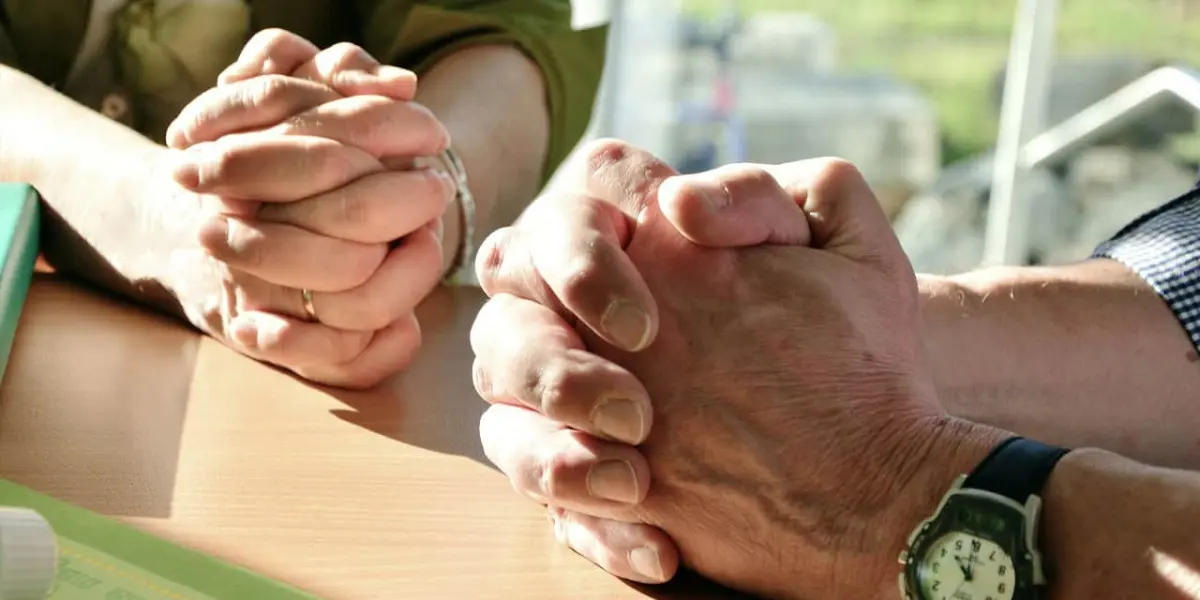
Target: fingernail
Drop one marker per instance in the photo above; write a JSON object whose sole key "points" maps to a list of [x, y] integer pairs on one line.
{"points": [[253, 334], [213, 233], [715, 196], [620, 419], [391, 73], [613, 480], [627, 325], [185, 168], [244, 331], [646, 562], [236, 242], [355, 78], [450, 185]]}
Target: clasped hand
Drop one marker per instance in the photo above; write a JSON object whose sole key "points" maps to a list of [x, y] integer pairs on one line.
{"points": [[721, 370], [305, 164]]}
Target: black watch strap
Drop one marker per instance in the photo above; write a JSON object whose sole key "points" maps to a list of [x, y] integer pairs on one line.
{"points": [[1017, 469]]}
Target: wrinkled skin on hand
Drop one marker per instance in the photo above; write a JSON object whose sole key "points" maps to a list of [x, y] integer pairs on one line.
{"points": [[791, 402]]}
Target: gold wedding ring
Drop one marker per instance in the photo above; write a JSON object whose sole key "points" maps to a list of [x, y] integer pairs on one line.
{"points": [[309, 310]]}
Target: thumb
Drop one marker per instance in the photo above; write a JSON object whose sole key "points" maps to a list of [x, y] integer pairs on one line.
{"points": [[734, 206], [842, 211]]}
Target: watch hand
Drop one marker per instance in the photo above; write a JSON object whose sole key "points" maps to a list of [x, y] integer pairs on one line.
{"points": [[966, 569]]}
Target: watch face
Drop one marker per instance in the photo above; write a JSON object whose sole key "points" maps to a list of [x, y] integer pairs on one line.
{"points": [[959, 565]]}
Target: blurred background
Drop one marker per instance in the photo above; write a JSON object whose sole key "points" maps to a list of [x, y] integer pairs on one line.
{"points": [[1100, 122]]}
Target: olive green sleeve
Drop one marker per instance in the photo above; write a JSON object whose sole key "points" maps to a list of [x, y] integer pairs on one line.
{"points": [[8, 54], [415, 35]]}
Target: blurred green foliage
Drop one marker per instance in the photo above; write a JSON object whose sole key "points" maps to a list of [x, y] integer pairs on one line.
{"points": [[953, 49]]}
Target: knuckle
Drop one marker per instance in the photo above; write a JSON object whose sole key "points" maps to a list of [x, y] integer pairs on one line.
{"points": [[331, 161], [369, 120], [561, 389], [267, 89], [272, 39], [484, 327], [429, 129], [346, 54], [247, 244], [351, 208], [481, 379], [490, 259], [555, 478], [746, 173], [361, 265], [375, 311], [412, 340], [583, 273], [436, 188], [606, 151], [221, 163], [836, 173], [492, 435]]}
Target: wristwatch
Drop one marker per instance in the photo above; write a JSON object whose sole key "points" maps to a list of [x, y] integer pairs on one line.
{"points": [[982, 541]]}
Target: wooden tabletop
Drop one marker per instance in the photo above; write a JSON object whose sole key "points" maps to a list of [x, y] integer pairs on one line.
{"points": [[382, 494]]}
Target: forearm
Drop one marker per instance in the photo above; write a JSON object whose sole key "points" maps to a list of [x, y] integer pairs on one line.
{"points": [[492, 99], [1113, 528], [91, 173], [1083, 355]]}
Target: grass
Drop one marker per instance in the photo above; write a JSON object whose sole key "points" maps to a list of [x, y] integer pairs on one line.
{"points": [[952, 49]]}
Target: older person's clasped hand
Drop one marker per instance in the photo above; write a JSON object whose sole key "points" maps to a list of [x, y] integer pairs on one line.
{"points": [[321, 236], [790, 435]]}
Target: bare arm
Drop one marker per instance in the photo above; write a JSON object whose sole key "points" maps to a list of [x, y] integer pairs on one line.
{"points": [[1118, 529], [1080, 355], [492, 99], [109, 216]]}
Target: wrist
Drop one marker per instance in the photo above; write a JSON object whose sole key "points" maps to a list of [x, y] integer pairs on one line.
{"points": [[164, 255], [501, 143], [938, 453]]}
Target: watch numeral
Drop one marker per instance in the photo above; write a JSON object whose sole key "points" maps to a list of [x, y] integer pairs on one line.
{"points": [[943, 553], [958, 544], [992, 556], [936, 585], [976, 545], [935, 566], [1001, 587], [1003, 570]]}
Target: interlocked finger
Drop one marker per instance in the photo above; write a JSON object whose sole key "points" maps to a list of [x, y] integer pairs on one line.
{"points": [[560, 467], [380, 207], [527, 355], [352, 71], [270, 168], [633, 551], [245, 105], [269, 52], [288, 256]]}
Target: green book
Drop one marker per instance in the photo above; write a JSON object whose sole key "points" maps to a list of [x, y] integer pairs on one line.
{"points": [[103, 559], [18, 254], [100, 558]]}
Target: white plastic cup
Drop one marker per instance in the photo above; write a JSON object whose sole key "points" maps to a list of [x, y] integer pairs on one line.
{"points": [[28, 555]]}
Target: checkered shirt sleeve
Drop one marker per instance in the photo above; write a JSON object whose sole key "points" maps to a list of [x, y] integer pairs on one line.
{"points": [[1163, 248]]}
